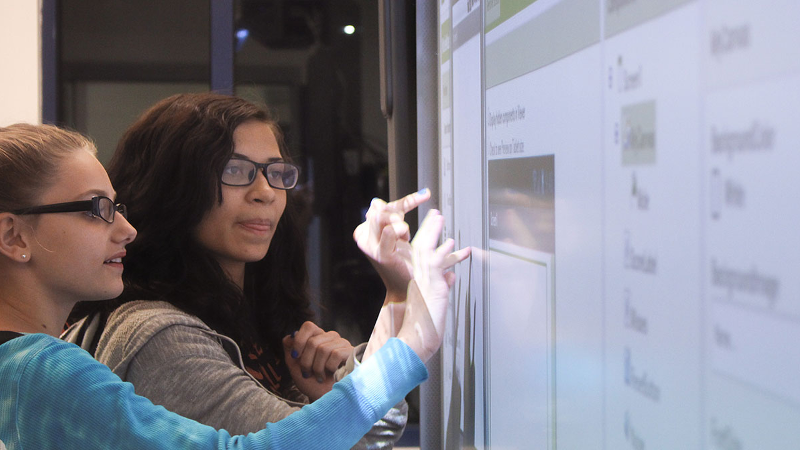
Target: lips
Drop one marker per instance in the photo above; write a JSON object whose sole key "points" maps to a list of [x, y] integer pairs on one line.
{"points": [[258, 226], [116, 258]]}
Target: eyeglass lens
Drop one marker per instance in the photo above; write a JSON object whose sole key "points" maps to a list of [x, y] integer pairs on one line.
{"points": [[106, 209], [241, 172]]}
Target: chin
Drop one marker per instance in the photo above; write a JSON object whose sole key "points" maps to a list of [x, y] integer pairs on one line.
{"points": [[109, 293], [254, 255], [254, 258]]}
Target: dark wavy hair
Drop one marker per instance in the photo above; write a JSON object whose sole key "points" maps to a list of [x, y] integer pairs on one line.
{"points": [[167, 170]]}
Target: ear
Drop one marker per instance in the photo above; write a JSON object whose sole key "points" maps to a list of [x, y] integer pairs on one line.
{"points": [[14, 238]]}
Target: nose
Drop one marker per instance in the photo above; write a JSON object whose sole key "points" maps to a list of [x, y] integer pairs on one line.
{"points": [[124, 232], [260, 190]]}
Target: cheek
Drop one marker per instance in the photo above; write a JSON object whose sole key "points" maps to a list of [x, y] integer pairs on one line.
{"points": [[212, 222], [207, 232], [282, 206], [67, 242]]}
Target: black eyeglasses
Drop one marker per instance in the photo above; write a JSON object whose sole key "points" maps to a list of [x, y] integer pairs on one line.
{"points": [[242, 172], [102, 207]]}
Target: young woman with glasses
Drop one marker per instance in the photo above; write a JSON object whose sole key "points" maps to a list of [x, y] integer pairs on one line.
{"points": [[63, 239], [214, 322]]}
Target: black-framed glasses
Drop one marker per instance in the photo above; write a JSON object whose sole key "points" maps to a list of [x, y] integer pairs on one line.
{"points": [[242, 172], [102, 207]]}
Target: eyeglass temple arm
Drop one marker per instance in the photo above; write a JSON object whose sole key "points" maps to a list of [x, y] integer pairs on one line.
{"points": [[56, 207]]}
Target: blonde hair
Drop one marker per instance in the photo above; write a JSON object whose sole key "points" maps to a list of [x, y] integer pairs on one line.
{"points": [[30, 156]]}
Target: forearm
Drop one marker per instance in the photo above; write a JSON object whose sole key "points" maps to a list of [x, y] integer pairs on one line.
{"points": [[390, 320], [377, 384], [387, 431]]}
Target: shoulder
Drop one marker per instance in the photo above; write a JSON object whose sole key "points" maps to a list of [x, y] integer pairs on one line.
{"points": [[140, 320], [134, 324], [36, 368], [146, 309], [20, 351], [39, 356], [56, 384]]}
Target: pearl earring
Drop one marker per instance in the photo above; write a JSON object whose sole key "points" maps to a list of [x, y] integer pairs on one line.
{"points": [[24, 256]]}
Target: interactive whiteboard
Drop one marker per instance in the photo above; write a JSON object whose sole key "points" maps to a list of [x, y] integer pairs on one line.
{"points": [[626, 172]]}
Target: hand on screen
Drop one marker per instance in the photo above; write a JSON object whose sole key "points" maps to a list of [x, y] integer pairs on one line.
{"points": [[384, 237], [428, 291]]}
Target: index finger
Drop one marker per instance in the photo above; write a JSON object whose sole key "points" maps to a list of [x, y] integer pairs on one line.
{"points": [[410, 201], [456, 257], [429, 230], [300, 339]]}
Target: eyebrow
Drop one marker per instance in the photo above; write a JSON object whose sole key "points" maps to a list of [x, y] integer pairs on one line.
{"points": [[99, 193], [240, 156]]}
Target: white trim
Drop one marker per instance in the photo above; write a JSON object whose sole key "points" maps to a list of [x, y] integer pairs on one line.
{"points": [[20, 51]]}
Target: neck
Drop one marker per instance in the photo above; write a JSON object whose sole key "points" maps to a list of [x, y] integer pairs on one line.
{"points": [[32, 315], [235, 272]]}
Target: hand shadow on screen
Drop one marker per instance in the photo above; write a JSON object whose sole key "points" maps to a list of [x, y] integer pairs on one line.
{"points": [[455, 437]]}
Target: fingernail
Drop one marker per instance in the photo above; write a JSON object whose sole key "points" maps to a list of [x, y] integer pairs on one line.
{"points": [[319, 380], [306, 374], [295, 355], [422, 191], [294, 333]]}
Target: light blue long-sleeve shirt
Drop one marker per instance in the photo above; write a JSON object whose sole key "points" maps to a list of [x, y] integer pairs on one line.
{"points": [[55, 395]]}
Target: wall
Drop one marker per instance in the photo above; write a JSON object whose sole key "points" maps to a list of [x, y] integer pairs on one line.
{"points": [[20, 51], [373, 124]]}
